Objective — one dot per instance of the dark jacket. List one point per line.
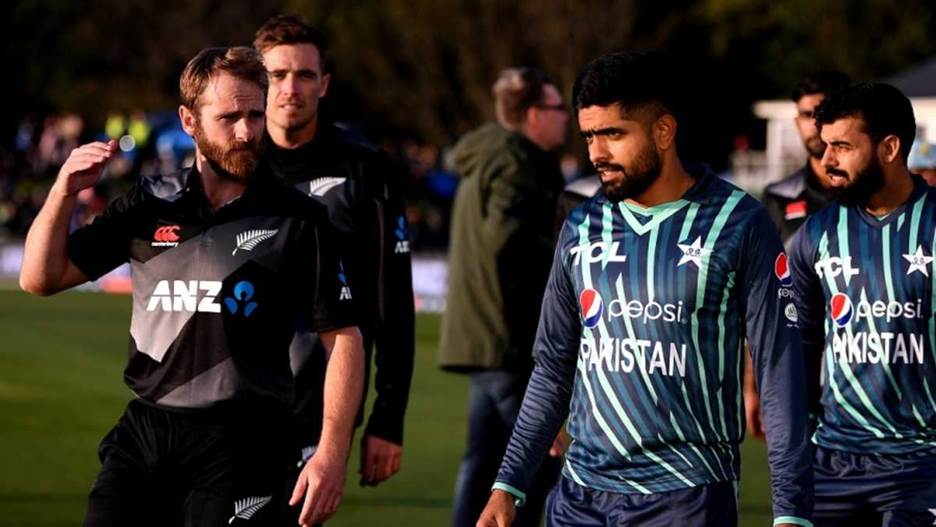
(500, 250)
(792, 199)
(575, 193)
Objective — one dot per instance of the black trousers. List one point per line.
(199, 468)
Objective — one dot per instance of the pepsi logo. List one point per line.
(782, 270)
(842, 309)
(592, 307)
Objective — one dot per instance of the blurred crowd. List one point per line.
(148, 144)
(155, 143)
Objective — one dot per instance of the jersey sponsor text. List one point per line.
(182, 295)
(627, 354)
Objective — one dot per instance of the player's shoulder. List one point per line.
(929, 195)
(716, 192)
(352, 147)
(822, 219)
(587, 211)
(788, 188)
(364, 162)
(287, 200)
(585, 207)
(164, 187)
(806, 239)
(148, 192)
(583, 188)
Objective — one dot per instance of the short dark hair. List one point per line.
(240, 62)
(290, 29)
(636, 80)
(515, 91)
(824, 82)
(883, 109)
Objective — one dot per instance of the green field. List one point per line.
(61, 389)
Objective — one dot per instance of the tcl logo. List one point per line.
(834, 266)
(182, 295)
(166, 236)
(597, 252)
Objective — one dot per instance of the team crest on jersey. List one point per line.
(842, 309)
(693, 252)
(166, 236)
(782, 270)
(246, 508)
(592, 307)
(320, 186)
(248, 240)
(918, 261)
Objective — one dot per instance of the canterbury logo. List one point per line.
(321, 186)
(245, 509)
(247, 240)
(167, 236)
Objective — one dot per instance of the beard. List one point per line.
(860, 189)
(236, 161)
(815, 147)
(636, 179)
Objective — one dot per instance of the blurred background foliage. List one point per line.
(423, 68)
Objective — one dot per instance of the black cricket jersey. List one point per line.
(216, 294)
(360, 187)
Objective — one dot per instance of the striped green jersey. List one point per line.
(865, 298)
(639, 343)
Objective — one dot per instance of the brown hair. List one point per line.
(290, 29)
(240, 62)
(515, 91)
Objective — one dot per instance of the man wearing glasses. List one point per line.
(501, 246)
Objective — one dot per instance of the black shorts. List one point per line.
(212, 468)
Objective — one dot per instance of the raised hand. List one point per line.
(84, 167)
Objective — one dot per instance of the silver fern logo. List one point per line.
(247, 240)
(321, 186)
(245, 509)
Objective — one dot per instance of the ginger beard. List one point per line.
(236, 161)
(634, 180)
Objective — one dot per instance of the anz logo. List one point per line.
(402, 244)
(189, 296)
(345, 293)
(241, 301)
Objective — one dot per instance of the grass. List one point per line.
(61, 390)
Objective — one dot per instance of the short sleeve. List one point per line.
(333, 302)
(104, 244)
